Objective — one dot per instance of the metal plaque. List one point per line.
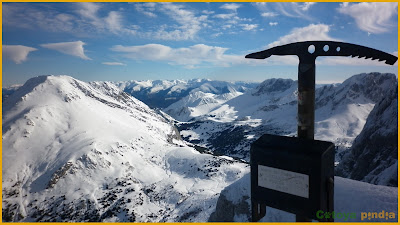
(284, 181)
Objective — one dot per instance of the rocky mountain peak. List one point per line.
(273, 85)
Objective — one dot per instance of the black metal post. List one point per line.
(306, 100)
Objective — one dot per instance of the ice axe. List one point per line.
(307, 52)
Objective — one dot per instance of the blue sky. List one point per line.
(138, 41)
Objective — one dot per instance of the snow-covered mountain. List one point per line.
(74, 151)
(7, 91)
(373, 156)
(162, 93)
(198, 103)
(341, 112)
(350, 197)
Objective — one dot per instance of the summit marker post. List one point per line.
(303, 182)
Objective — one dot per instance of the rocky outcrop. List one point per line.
(373, 156)
(233, 203)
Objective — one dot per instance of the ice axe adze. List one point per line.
(307, 52)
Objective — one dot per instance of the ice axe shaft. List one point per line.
(306, 101)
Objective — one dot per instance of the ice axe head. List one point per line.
(308, 51)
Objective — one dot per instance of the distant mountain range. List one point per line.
(76, 151)
(162, 93)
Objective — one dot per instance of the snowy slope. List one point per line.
(198, 103)
(373, 156)
(350, 197)
(74, 151)
(7, 91)
(341, 112)
(163, 93)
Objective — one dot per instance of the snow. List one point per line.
(191, 135)
(349, 197)
(92, 143)
(198, 103)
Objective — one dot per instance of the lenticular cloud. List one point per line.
(70, 48)
(17, 53)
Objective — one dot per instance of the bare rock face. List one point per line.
(373, 156)
(226, 210)
(233, 203)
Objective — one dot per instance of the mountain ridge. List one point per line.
(74, 151)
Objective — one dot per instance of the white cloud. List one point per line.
(217, 34)
(290, 9)
(151, 5)
(114, 21)
(311, 32)
(249, 26)
(188, 57)
(273, 23)
(70, 48)
(269, 14)
(307, 5)
(184, 24)
(83, 20)
(89, 13)
(373, 17)
(195, 56)
(88, 10)
(146, 8)
(260, 4)
(225, 16)
(207, 12)
(178, 22)
(16, 53)
(231, 18)
(113, 63)
(184, 56)
(25, 16)
(187, 27)
(226, 26)
(230, 6)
